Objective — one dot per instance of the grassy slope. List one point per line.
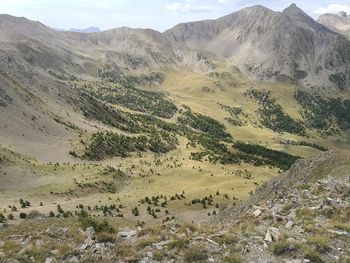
(183, 88)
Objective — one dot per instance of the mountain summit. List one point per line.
(269, 45)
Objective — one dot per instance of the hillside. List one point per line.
(300, 215)
(131, 144)
(267, 45)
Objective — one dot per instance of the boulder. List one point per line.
(289, 224)
(272, 234)
(90, 231)
(127, 233)
(257, 212)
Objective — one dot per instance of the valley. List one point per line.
(202, 140)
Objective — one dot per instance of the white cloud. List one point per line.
(332, 8)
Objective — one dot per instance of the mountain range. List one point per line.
(263, 44)
(133, 145)
(86, 30)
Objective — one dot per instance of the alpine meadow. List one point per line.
(222, 140)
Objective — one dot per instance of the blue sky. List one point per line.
(156, 14)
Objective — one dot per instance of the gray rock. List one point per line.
(292, 215)
(50, 260)
(89, 241)
(127, 233)
(289, 224)
(57, 231)
(83, 247)
(25, 249)
(90, 231)
(272, 234)
(188, 232)
(268, 236)
(257, 212)
(39, 243)
(73, 259)
(161, 244)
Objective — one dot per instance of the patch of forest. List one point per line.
(324, 114)
(160, 136)
(260, 155)
(107, 144)
(153, 103)
(272, 116)
(237, 116)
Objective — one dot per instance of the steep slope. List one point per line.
(337, 22)
(272, 45)
(39, 65)
(302, 213)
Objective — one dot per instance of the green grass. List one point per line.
(196, 253)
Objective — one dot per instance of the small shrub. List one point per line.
(196, 253)
(23, 215)
(34, 215)
(158, 255)
(233, 259)
(313, 256)
(145, 242)
(321, 243)
(179, 244)
(106, 238)
(87, 221)
(2, 218)
(282, 247)
(303, 187)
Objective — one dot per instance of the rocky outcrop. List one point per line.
(306, 205)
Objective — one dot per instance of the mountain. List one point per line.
(269, 45)
(132, 145)
(86, 30)
(338, 22)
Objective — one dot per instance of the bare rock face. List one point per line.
(267, 45)
(337, 22)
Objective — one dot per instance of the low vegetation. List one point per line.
(261, 155)
(326, 115)
(153, 103)
(271, 114)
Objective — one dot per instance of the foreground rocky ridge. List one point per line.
(299, 216)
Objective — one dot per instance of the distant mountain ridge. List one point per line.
(338, 22)
(263, 44)
(86, 30)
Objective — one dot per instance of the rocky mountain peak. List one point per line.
(298, 15)
(342, 14)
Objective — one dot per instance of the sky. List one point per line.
(156, 14)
